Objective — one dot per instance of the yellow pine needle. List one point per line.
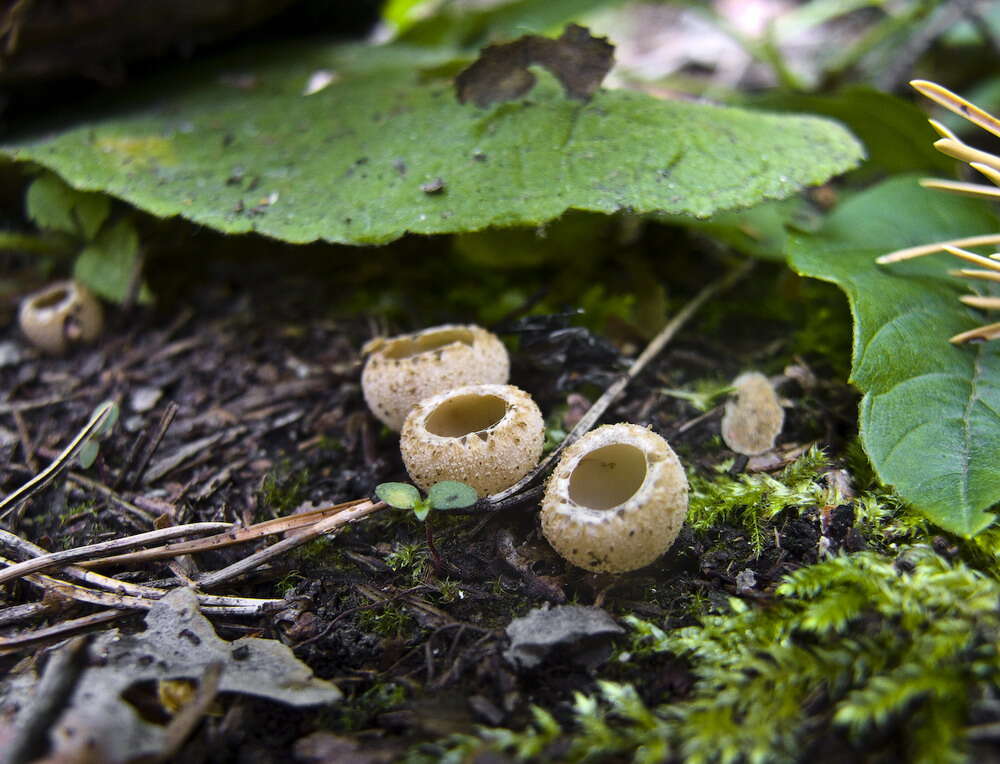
(989, 170)
(930, 249)
(972, 257)
(943, 131)
(963, 151)
(972, 273)
(955, 103)
(960, 187)
(981, 301)
(983, 333)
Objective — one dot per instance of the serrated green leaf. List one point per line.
(387, 150)
(53, 205)
(450, 494)
(399, 495)
(107, 265)
(930, 415)
(894, 131)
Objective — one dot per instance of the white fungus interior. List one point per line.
(465, 414)
(607, 476)
(411, 346)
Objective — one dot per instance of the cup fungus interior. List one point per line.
(51, 298)
(406, 347)
(608, 476)
(465, 414)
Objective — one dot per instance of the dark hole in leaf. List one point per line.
(577, 59)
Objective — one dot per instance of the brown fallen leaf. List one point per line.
(577, 59)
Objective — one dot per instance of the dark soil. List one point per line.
(268, 417)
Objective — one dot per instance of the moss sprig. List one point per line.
(859, 648)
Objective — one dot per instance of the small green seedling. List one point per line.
(445, 495)
(90, 447)
(106, 247)
(705, 395)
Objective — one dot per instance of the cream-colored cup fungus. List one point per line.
(402, 371)
(753, 417)
(616, 500)
(488, 436)
(62, 314)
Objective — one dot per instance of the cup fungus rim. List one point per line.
(626, 437)
(424, 411)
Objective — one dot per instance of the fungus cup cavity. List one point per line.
(487, 436)
(616, 500)
(403, 370)
(64, 313)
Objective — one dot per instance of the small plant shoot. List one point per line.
(442, 496)
(451, 494)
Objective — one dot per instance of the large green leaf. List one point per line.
(930, 416)
(386, 150)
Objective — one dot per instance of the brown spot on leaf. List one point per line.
(577, 59)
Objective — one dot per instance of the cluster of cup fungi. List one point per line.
(618, 495)
(615, 500)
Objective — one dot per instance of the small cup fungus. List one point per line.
(488, 436)
(62, 314)
(616, 500)
(753, 418)
(402, 371)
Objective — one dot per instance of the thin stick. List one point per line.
(229, 538)
(113, 496)
(43, 478)
(597, 410)
(62, 673)
(91, 550)
(126, 587)
(166, 419)
(59, 630)
(287, 544)
(234, 605)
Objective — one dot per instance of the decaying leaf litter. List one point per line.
(283, 434)
(745, 531)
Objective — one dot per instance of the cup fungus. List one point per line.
(753, 418)
(488, 436)
(402, 371)
(616, 500)
(62, 314)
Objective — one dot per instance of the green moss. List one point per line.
(386, 620)
(751, 501)
(77, 511)
(864, 649)
(283, 488)
(411, 558)
(360, 711)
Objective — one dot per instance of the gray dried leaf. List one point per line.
(542, 630)
(178, 643)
